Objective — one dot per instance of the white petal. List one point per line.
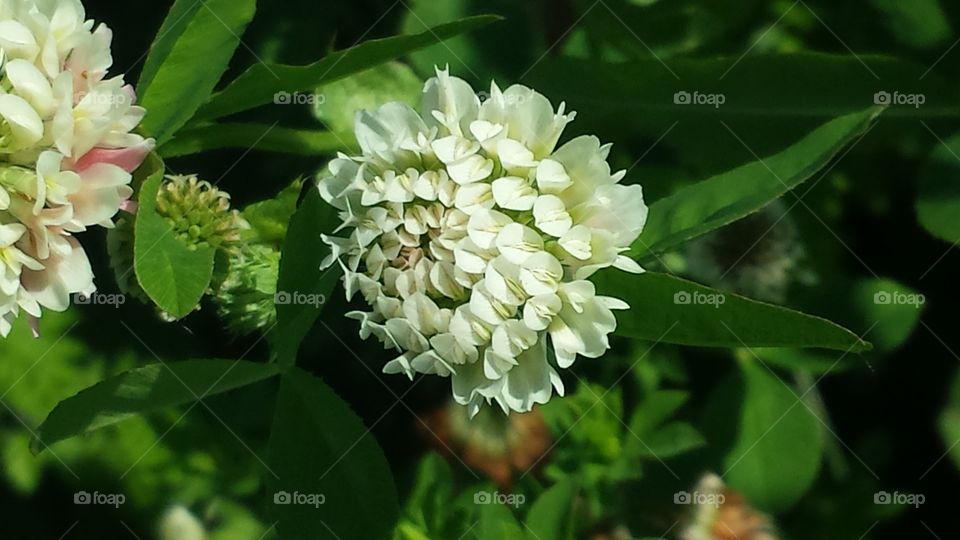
(541, 274)
(514, 155)
(470, 169)
(539, 311)
(551, 215)
(552, 177)
(514, 193)
(516, 242)
(485, 225)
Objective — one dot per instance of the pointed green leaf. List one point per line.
(149, 388)
(774, 443)
(720, 200)
(551, 516)
(303, 287)
(329, 478)
(672, 310)
(261, 83)
(174, 276)
(188, 58)
(262, 137)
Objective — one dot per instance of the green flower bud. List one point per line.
(199, 213)
(245, 298)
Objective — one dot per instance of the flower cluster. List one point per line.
(472, 236)
(66, 151)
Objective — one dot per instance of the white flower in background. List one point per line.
(472, 237)
(67, 151)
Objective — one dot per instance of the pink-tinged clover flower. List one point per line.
(67, 151)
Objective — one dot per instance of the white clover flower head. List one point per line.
(67, 151)
(471, 236)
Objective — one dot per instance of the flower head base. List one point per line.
(67, 151)
(199, 212)
(246, 297)
(472, 237)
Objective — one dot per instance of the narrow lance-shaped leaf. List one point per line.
(174, 276)
(186, 62)
(262, 82)
(257, 137)
(175, 23)
(149, 388)
(672, 310)
(720, 200)
(303, 287)
(328, 478)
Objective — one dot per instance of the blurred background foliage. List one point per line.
(805, 437)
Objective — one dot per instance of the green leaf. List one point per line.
(260, 84)
(718, 201)
(938, 198)
(318, 446)
(890, 308)
(551, 516)
(340, 100)
(181, 13)
(771, 100)
(185, 64)
(301, 276)
(949, 423)
(174, 276)
(149, 388)
(497, 522)
(269, 219)
(777, 444)
(651, 436)
(672, 310)
(263, 137)
(922, 24)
